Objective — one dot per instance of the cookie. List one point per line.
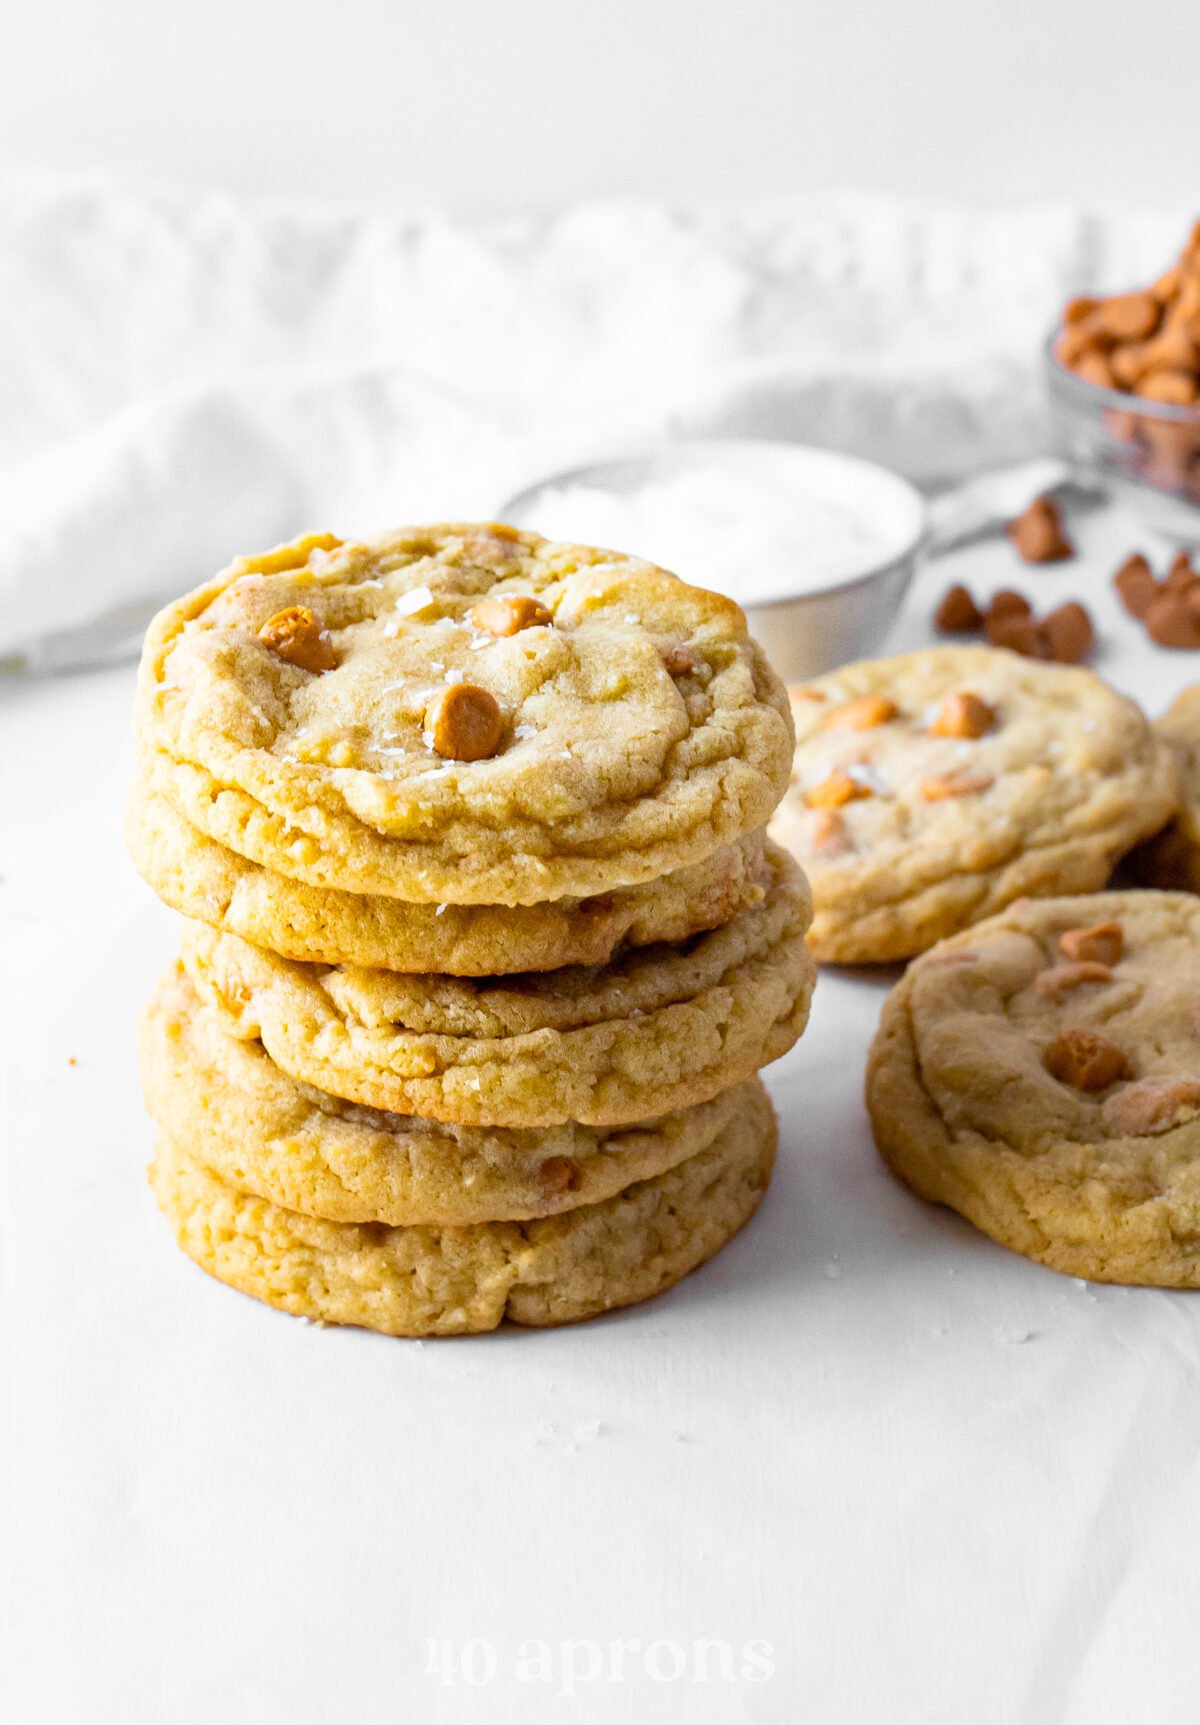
(205, 881)
(661, 1028)
(462, 715)
(1041, 1075)
(1172, 857)
(931, 790)
(255, 1128)
(449, 1281)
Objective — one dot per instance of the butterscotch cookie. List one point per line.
(932, 789)
(209, 883)
(1041, 1074)
(660, 1028)
(255, 1128)
(446, 1281)
(462, 715)
(1172, 857)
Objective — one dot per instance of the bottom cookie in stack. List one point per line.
(310, 1203)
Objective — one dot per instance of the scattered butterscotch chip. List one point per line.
(1057, 982)
(1020, 634)
(836, 789)
(559, 1174)
(1136, 585)
(946, 785)
(1007, 603)
(463, 723)
(1085, 1060)
(681, 662)
(1151, 1104)
(862, 714)
(958, 613)
(806, 692)
(1180, 575)
(1171, 622)
(509, 613)
(298, 637)
(963, 714)
(1069, 631)
(1103, 943)
(1038, 534)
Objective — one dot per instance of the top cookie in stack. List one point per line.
(476, 825)
(577, 746)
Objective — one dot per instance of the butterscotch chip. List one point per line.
(1020, 634)
(1038, 534)
(1136, 585)
(1151, 1105)
(463, 723)
(1102, 944)
(836, 789)
(509, 613)
(958, 613)
(681, 662)
(1085, 1060)
(806, 692)
(946, 785)
(1130, 316)
(1069, 631)
(1057, 982)
(963, 714)
(298, 637)
(1094, 368)
(1131, 363)
(1171, 623)
(1006, 603)
(1082, 306)
(863, 714)
(828, 835)
(1162, 384)
(1180, 575)
(559, 1174)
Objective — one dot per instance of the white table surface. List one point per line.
(944, 1485)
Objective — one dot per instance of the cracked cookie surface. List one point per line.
(440, 742)
(1040, 1074)
(252, 1126)
(660, 1028)
(423, 1281)
(209, 883)
(931, 789)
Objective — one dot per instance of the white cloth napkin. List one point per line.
(187, 378)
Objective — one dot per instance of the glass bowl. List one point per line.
(1145, 454)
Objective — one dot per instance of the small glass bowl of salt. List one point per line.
(818, 548)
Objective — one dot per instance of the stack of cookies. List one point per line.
(486, 943)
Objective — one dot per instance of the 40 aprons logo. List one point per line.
(571, 1665)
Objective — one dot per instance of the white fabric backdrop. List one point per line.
(185, 375)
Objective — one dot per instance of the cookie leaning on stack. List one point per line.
(486, 942)
(932, 789)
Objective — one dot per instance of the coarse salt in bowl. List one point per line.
(817, 547)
